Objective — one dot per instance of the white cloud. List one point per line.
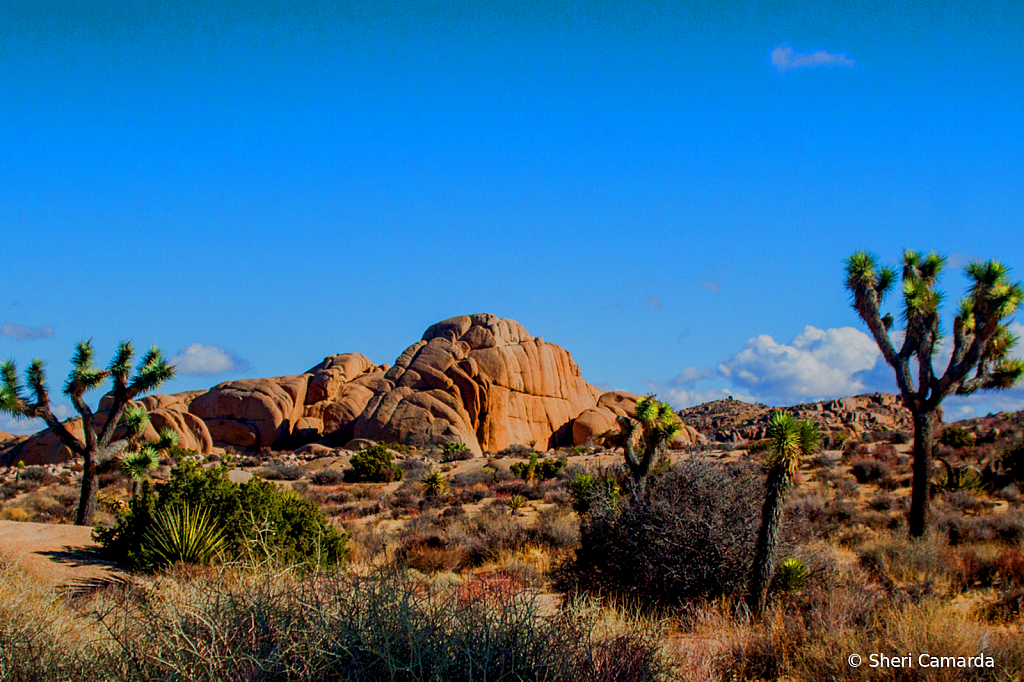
(785, 58)
(681, 397)
(818, 363)
(23, 333)
(201, 360)
(691, 375)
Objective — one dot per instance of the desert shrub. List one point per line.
(964, 501)
(543, 469)
(521, 488)
(957, 437)
(455, 451)
(277, 471)
(758, 447)
(328, 477)
(373, 465)
(588, 490)
(790, 576)
(256, 518)
(692, 536)
(1012, 463)
(385, 626)
(517, 450)
(869, 470)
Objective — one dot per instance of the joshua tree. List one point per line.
(656, 423)
(789, 441)
(981, 341)
(109, 440)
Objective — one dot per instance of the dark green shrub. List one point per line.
(256, 518)
(691, 536)
(373, 465)
(455, 451)
(957, 437)
(543, 469)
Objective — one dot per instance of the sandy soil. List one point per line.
(57, 554)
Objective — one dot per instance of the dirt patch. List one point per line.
(55, 554)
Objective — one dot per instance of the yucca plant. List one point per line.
(182, 534)
(516, 503)
(981, 344)
(790, 440)
(434, 484)
(655, 425)
(790, 576)
(97, 444)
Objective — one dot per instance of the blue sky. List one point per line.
(661, 188)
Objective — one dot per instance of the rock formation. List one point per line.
(737, 421)
(480, 380)
(477, 379)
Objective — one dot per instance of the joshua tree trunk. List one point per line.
(920, 493)
(767, 541)
(90, 485)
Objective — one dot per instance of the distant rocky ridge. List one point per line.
(730, 420)
(477, 379)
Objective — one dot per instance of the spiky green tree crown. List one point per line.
(657, 419)
(981, 336)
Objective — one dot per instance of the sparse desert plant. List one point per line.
(758, 447)
(790, 441)
(790, 577)
(327, 477)
(655, 425)
(964, 477)
(279, 471)
(373, 465)
(516, 504)
(691, 537)
(434, 484)
(152, 372)
(981, 343)
(588, 491)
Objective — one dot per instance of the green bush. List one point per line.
(790, 577)
(455, 451)
(256, 518)
(373, 465)
(543, 469)
(957, 437)
(588, 492)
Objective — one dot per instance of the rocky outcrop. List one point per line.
(592, 423)
(477, 379)
(737, 421)
(480, 380)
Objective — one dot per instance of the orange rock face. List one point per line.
(480, 380)
(477, 379)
